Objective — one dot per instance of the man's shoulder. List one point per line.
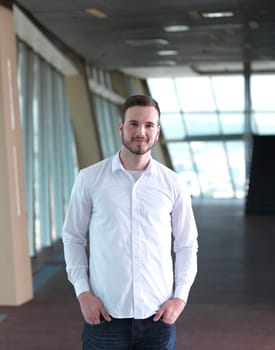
(90, 175)
(165, 170)
(93, 168)
(174, 180)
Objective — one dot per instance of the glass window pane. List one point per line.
(172, 126)
(232, 123)
(264, 123)
(202, 124)
(36, 136)
(163, 91)
(195, 94)
(107, 121)
(115, 119)
(44, 239)
(262, 92)
(213, 169)
(108, 131)
(236, 158)
(229, 92)
(183, 164)
(25, 81)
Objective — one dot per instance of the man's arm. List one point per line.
(74, 234)
(185, 248)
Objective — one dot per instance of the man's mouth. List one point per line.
(140, 139)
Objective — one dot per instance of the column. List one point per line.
(15, 266)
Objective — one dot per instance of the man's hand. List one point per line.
(170, 310)
(92, 308)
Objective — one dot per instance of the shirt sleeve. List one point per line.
(74, 235)
(185, 244)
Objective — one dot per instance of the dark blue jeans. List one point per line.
(126, 334)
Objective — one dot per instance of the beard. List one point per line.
(136, 148)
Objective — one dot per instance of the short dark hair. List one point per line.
(139, 100)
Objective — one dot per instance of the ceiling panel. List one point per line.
(123, 39)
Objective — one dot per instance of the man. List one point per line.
(131, 293)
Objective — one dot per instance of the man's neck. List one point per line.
(132, 161)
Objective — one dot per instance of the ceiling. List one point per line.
(130, 34)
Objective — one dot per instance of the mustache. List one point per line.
(140, 138)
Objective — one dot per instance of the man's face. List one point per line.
(140, 130)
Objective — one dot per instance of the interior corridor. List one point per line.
(231, 305)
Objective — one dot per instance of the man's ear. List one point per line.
(158, 132)
(120, 126)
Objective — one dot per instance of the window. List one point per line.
(263, 104)
(202, 120)
(49, 149)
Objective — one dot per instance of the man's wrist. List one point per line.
(83, 294)
(180, 300)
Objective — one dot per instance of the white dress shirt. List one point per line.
(130, 225)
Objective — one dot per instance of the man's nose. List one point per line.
(141, 129)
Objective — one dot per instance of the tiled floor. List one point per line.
(231, 306)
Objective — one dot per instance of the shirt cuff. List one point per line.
(181, 293)
(81, 286)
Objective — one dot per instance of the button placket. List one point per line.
(137, 291)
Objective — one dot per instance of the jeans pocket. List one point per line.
(165, 323)
(101, 323)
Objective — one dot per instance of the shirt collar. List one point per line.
(116, 165)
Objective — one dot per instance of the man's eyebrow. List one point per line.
(136, 121)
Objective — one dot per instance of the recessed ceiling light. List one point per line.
(96, 13)
(217, 14)
(163, 63)
(167, 52)
(177, 28)
(166, 63)
(144, 42)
